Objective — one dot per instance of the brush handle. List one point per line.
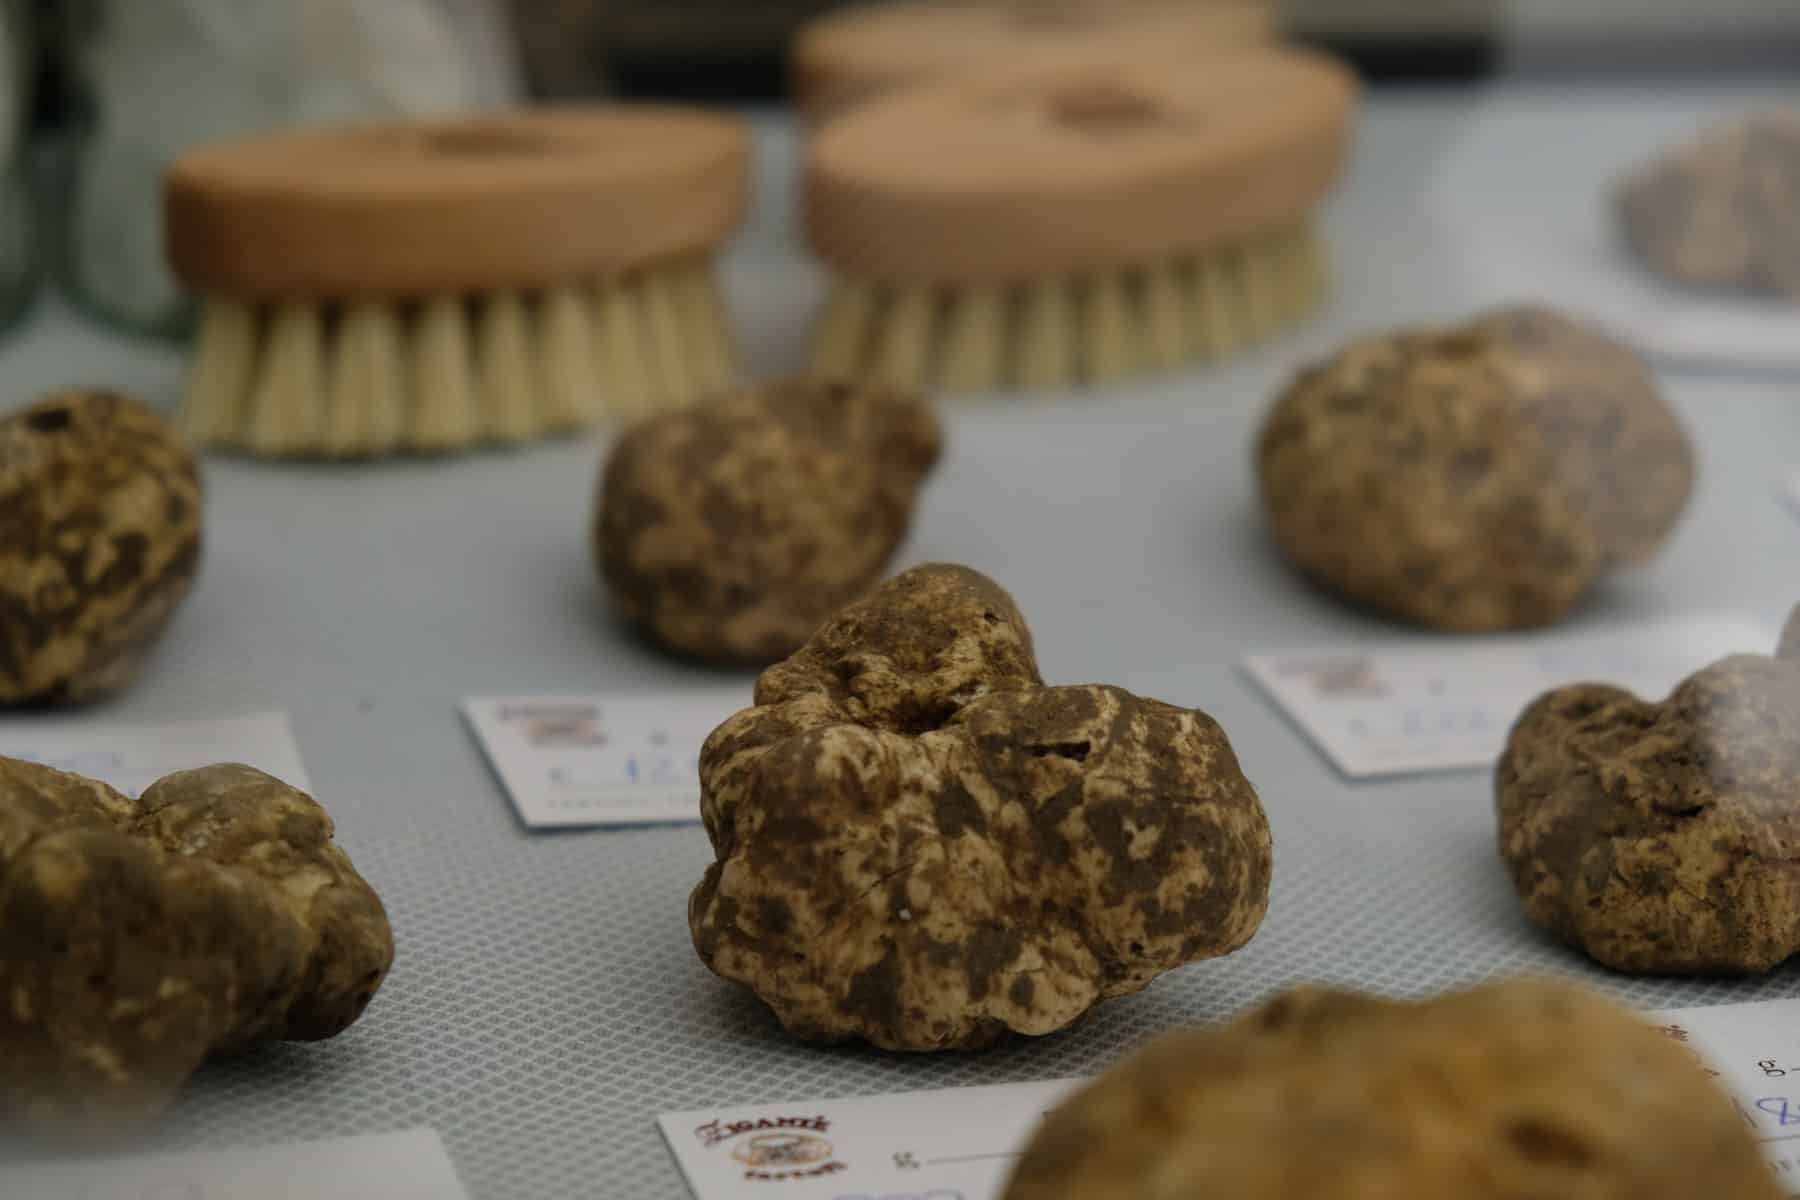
(1077, 163)
(849, 57)
(517, 202)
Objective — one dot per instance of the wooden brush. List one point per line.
(1081, 219)
(848, 57)
(435, 286)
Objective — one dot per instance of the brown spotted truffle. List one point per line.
(99, 541)
(1523, 1089)
(1474, 479)
(921, 845)
(140, 937)
(729, 532)
(1663, 837)
(1723, 211)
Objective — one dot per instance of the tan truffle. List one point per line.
(1723, 211)
(1663, 837)
(100, 512)
(139, 938)
(921, 845)
(1524, 1089)
(729, 532)
(1474, 479)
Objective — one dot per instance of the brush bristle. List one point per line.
(452, 372)
(1057, 332)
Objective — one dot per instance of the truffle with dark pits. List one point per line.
(1663, 837)
(1523, 1089)
(100, 512)
(729, 532)
(1474, 479)
(138, 938)
(921, 845)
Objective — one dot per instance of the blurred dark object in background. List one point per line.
(562, 46)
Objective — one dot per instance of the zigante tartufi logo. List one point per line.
(774, 1149)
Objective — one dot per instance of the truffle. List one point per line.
(1722, 211)
(1514, 1090)
(140, 937)
(728, 532)
(1474, 479)
(1663, 837)
(921, 845)
(100, 511)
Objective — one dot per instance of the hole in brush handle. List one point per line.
(489, 142)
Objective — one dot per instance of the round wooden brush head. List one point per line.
(852, 56)
(410, 209)
(1076, 163)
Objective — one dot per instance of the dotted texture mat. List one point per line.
(547, 1004)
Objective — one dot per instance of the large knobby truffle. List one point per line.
(1519, 1090)
(921, 845)
(1663, 837)
(1478, 478)
(100, 512)
(1723, 211)
(140, 937)
(729, 532)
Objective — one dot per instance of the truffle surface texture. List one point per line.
(728, 532)
(140, 937)
(1724, 210)
(1518, 1090)
(922, 846)
(100, 514)
(1477, 478)
(1663, 837)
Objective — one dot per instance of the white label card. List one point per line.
(595, 760)
(1753, 1052)
(1790, 493)
(961, 1144)
(1449, 703)
(958, 1144)
(386, 1166)
(132, 757)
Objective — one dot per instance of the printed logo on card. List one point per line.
(775, 1149)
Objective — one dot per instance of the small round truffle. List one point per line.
(1523, 1089)
(138, 938)
(729, 532)
(1474, 479)
(1663, 837)
(1724, 210)
(100, 512)
(922, 846)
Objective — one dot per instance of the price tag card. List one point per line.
(594, 760)
(957, 1144)
(132, 757)
(1448, 704)
(387, 1166)
(1753, 1052)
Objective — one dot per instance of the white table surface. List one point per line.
(547, 1004)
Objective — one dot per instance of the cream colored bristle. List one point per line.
(288, 399)
(619, 348)
(1111, 342)
(224, 366)
(1312, 267)
(1046, 335)
(1213, 321)
(704, 318)
(844, 330)
(975, 341)
(1165, 318)
(668, 348)
(1259, 284)
(444, 415)
(366, 382)
(506, 369)
(565, 347)
(903, 353)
